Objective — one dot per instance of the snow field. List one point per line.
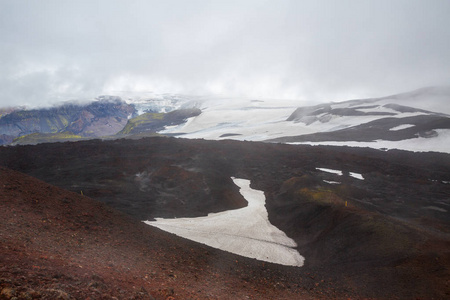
(337, 172)
(440, 143)
(401, 127)
(248, 120)
(245, 231)
(340, 173)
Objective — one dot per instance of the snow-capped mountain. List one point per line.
(103, 117)
(157, 103)
(403, 121)
(417, 120)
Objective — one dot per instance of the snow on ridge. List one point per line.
(440, 209)
(331, 182)
(245, 231)
(337, 172)
(440, 143)
(401, 127)
(356, 175)
(256, 120)
(340, 173)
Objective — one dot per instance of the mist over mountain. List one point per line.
(238, 149)
(345, 214)
(309, 50)
(416, 120)
(103, 117)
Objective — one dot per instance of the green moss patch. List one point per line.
(141, 120)
(37, 138)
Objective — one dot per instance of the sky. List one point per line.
(311, 51)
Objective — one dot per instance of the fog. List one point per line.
(310, 51)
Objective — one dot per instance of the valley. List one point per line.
(390, 228)
(324, 197)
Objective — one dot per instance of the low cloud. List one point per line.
(307, 50)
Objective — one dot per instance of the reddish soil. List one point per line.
(384, 237)
(57, 244)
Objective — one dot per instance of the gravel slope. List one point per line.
(57, 244)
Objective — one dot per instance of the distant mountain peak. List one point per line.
(104, 117)
(422, 116)
(420, 119)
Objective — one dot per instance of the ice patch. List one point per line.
(356, 175)
(331, 182)
(378, 109)
(435, 208)
(330, 171)
(245, 231)
(247, 119)
(340, 173)
(401, 127)
(440, 143)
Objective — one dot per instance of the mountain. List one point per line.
(366, 223)
(148, 102)
(415, 121)
(154, 122)
(106, 116)
(367, 121)
(399, 121)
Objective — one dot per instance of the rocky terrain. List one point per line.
(109, 118)
(414, 121)
(392, 122)
(379, 230)
(103, 117)
(154, 122)
(57, 244)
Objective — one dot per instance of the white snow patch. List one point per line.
(379, 109)
(440, 143)
(331, 182)
(168, 127)
(247, 123)
(431, 98)
(356, 175)
(245, 231)
(435, 208)
(254, 120)
(330, 171)
(340, 173)
(400, 127)
(409, 114)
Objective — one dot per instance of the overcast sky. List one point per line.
(307, 50)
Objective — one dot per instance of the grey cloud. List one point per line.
(308, 50)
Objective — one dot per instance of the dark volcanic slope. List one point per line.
(57, 244)
(424, 126)
(393, 233)
(422, 123)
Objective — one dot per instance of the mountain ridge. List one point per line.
(395, 121)
(370, 122)
(103, 117)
